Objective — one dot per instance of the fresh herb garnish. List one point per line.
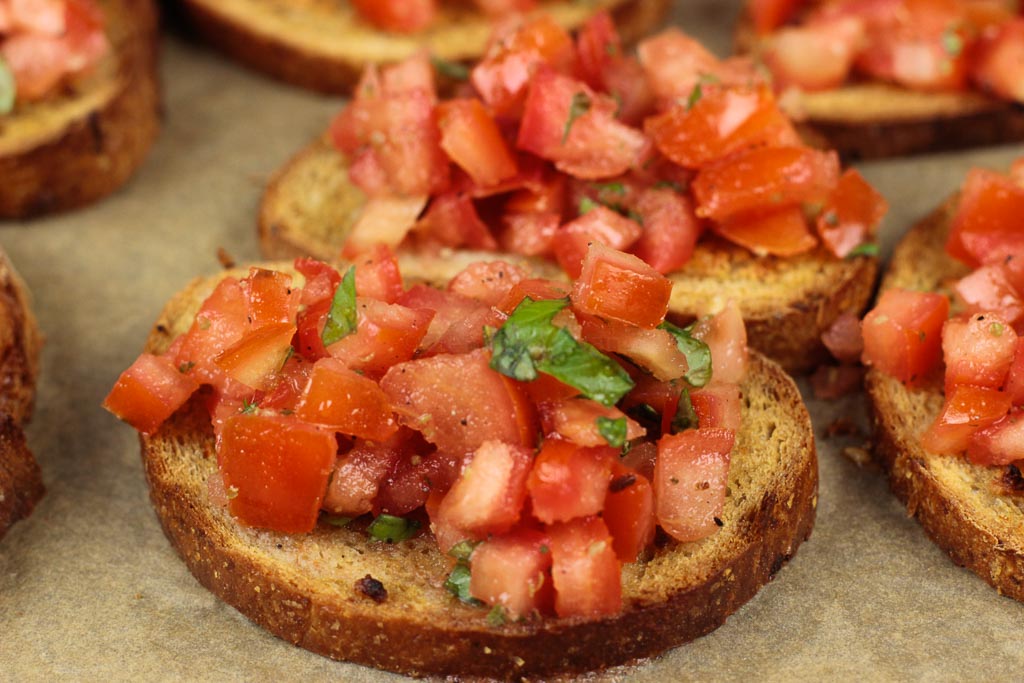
(337, 520)
(529, 343)
(8, 88)
(698, 355)
(587, 204)
(452, 70)
(184, 368)
(952, 43)
(695, 95)
(579, 106)
(287, 356)
(686, 416)
(342, 319)
(496, 617)
(457, 584)
(392, 529)
(249, 406)
(463, 549)
(612, 187)
(669, 185)
(612, 430)
(864, 249)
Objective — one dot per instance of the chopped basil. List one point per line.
(586, 204)
(288, 356)
(996, 329)
(952, 43)
(864, 249)
(392, 529)
(463, 549)
(496, 617)
(695, 95)
(580, 105)
(686, 416)
(612, 430)
(457, 584)
(453, 70)
(668, 185)
(529, 343)
(613, 187)
(8, 88)
(698, 355)
(336, 520)
(184, 368)
(249, 406)
(342, 319)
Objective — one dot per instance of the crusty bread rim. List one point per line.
(301, 588)
(953, 499)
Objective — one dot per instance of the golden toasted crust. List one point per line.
(875, 120)
(302, 588)
(322, 45)
(72, 149)
(959, 504)
(310, 206)
(21, 484)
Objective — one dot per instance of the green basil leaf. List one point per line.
(457, 584)
(864, 249)
(579, 106)
(463, 549)
(392, 529)
(456, 71)
(613, 430)
(496, 617)
(342, 319)
(336, 520)
(686, 416)
(698, 355)
(8, 88)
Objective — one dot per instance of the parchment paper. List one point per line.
(91, 590)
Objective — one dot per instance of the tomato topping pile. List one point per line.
(412, 16)
(43, 42)
(543, 431)
(982, 345)
(927, 45)
(556, 143)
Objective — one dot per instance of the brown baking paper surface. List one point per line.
(91, 590)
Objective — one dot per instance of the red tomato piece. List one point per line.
(377, 275)
(843, 338)
(675, 63)
(599, 225)
(512, 571)
(537, 289)
(473, 141)
(997, 61)
(783, 232)
(816, 56)
(488, 496)
(220, 322)
(690, 477)
(530, 234)
(654, 350)
(764, 179)
(584, 568)
(831, 381)
(487, 282)
(671, 229)
(1015, 376)
(568, 481)
(597, 46)
(321, 280)
(452, 221)
(966, 410)
(149, 392)
(415, 477)
(400, 16)
(275, 470)
(310, 330)
(346, 401)
(618, 286)
(989, 290)
(271, 297)
(256, 356)
(385, 334)
(851, 214)
(384, 220)
(457, 325)
(282, 390)
(984, 229)
(978, 350)
(768, 15)
(357, 477)
(726, 336)
(575, 420)
(999, 444)
(718, 404)
(629, 512)
(458, 402)
(903, 334)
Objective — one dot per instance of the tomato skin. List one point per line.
(538, 289)
(383, 220)
(473, 141)
(726, 336)
(618, 286)
(275, 470)
(400, 16)
(783, 232)
(257, 355)
(1001, 443)
(585, 571)
(903, 334)
(978, 351)
(629, 512)
(671, 229)
(984, 229)
(512, 571)
(149, 392)
(385, 334)
(342, 399)
(851, 213)
(575, 419)
(966, 410)
(599, 225)
(270, 296)
(220, 322)
(488, 496)
(689, 481)
(655, 350)
(568, 481)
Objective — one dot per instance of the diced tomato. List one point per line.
(497, 8)
(816, 56)
(1001, 443)
(690, 477)
(377, 274)
(275, 470)
(585, 570)
(718, 404)
(38, 63)
(768, 15)
(282, 390)
(966, 410)
(671, 229)
(271, 297)
(722, 122)
(843, 338)
(384, 220)
(220, 322)
(457, 325)
(851, 213)
(488, 496)
(783, 232)
(998, 59)
(654, 350)
(675, 63)
(621, 287)
(989, 290)
(400, 16)
(321, 280)
(985, 228)
(252, 359)
(414, 477)
(149, 392)
(568, 481)
(903, 334)
(538, 289)
(344, 400)
(512, 571)
(488, 282)
(978, 350)
(575, 419)
(726, 336)
(46, 17)
(386, 334)
(1015, 376)
(473, 141)
(310, 330)
(452, 221)
(458, 402)
(599, 225)
(629, 512)
(530, 234)
(597, 46)
(357, 477)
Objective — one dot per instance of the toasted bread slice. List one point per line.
(78, 146)
(310, 206)
(303, 588)
(21, 485)
(873, 120)
(323, 45)
(963, 507)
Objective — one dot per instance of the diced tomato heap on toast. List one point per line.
(413, 16)
(545, 431)
(925, 45)
(910, 335)
(554, 144)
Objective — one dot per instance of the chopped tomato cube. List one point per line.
(966, 410)
(675, 63)
(690, 477)
(256, 356)
(488, 282)
(414, 477)
(386, 334)
(149, 392)
(1015, 376)
(783, 232)
(321, 280)
(989, 290)
(568, 481)
(384, 220)
(488, 496)
(978, 350)
(458, 322)
(275, 470)
(726, 336)
(903, 334)
(377, 274)
(843, 338)
(512, 571)
(654, 350)
(584, 568)
(629, 512)
(597, 45)
(271, 297)
(599, 225)
(400, 16)
(817, 56)
(1001, 443)
(851, 213)
(344, 400)
(529, 234)
(220, 322)
(985, 227)
(718, 405)
(537, 289)
(357, 478)
(575, 419)
(473, 141)
(768, 15)
(452, 221)
(671, 229)
(618, 286)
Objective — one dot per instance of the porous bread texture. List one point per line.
(323, 45)
(80, 145)
(310, 206)
(302, 587)
(959, 504)
(21, 484)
